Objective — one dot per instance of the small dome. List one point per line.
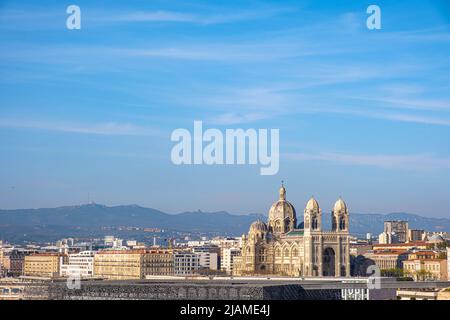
(436, 238)
(312, 204)
(340, 205)
(258, 225)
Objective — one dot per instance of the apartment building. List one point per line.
(186, 264)
(133, 264)
(158, 263)
(228, 259)
(119, 264)
(424, 269)
(43, 264)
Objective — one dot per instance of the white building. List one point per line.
(209, 260)
(227, 261)
(109, 241)
(208, 256)
(385, 238)
(186, 264)
(79, 264)
(131, 243)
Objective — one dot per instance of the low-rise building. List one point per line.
(423, 269)
(400, 246)
(424, 294)
(158, 263)
(430, 294)
(360, 249)
(133, 264)
(13, 262)
(387, 260)
(43, 264)
(119, 264)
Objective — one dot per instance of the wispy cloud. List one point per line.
(237, 118)
(107, 128)
(415, 162)
(183, 17)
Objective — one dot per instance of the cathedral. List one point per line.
(285, 248)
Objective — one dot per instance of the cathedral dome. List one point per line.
(340, 205)
(282, 208)
(282, 215)
(312, 204)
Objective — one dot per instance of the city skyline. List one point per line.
(86, 115)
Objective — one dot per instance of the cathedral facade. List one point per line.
(284, 247)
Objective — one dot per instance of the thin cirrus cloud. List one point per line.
(35, 18)
(106, 128)
(181, 17)
(421, 162)
(237, 118)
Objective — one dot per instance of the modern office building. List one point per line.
(79, 264)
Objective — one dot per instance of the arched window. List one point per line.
(314, 223)
(286, 252)
(295, 252)
(278, 252)
(307, 223)
(277, 226)
(334, 224)
(342, 223)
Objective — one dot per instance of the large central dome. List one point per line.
(282, 215)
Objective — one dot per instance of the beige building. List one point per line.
(448, 263)
(388, 259)
(416, 235)
(132, 264)
(43, 264)
(424, 294)
(281, 247)
(158, 263)
(400, 246)
(422, 269)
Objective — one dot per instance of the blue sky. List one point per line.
(363, 114)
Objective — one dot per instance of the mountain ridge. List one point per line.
(92, 217)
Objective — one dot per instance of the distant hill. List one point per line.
(85, 220)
